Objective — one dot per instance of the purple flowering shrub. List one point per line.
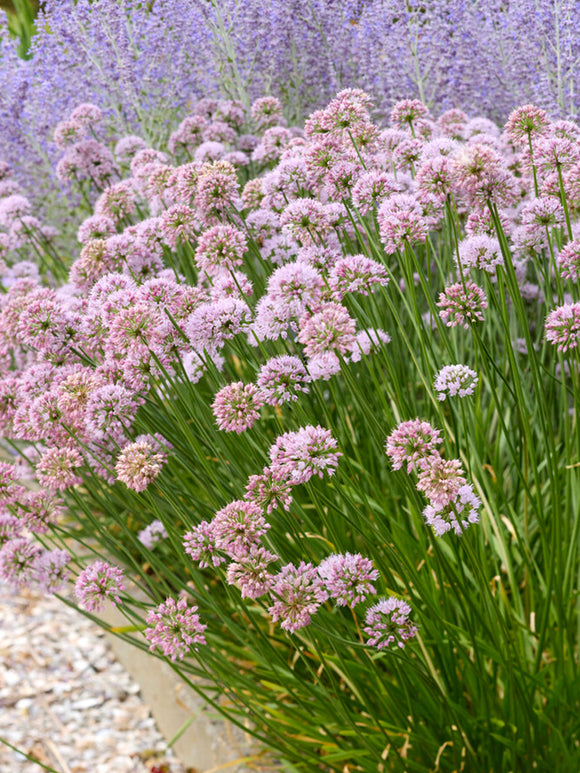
(311, 393)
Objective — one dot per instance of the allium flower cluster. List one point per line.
(238, 526)
(200, 545)
(457, 514)
(462, 304)
(140, 462)
(401, 221)
(98, 583)
(387, 622)
(268, 492)
(455, 380)
(152, 534)
(56, 468)
(298, 593)
(440, 480)
(331, 329)
(220, 248)
(298, 456)
(569, 261)
(563, 327)
(480, 251)
(249, 571)
(281, 378)
(413, 443)
(236, 406)
(18, 558)
(51, 570)
(348, 578)
(174, 628)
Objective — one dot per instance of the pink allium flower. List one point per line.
(368, 342)
(188, 135)
(152, 534)
(219, 131)
(98, 583)
(563, 327)
(13, 208)
(86, 114)
(569, 261)
(217, 188)
(209, 150)
(249, 571)
(434, 178)
(323, 366)
(111, 411)
(462, 304)
(236, 407)
(406, 111)
(387, 622)
(298, 593)
(116, 202)
(306, 220)
(481, 173)
(18, 559)
(348, 578)
(481, 251)
(140, 463)
(526, 122)
(10, 527)
(541, 213)
(268, 492)
(440, 480)
(87, 160)
(281, 378)
(371, 189)
(413, 442)
(401, 220)
(68, 133)
(295, 288)
(266, 112)
(178, 224)
(457, 514)
(176, 628)
(128, 146)
(455, 380)
(38, 510)
(51, 572)
(298, 456)
(272, 144)
(95, 227)
(211, 324)
(56, 468)
(220, 248)
(356, 274)
(200, 545)
(331, 329)
(237, 526)
(407, 153)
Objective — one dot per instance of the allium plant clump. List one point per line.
(307, 396)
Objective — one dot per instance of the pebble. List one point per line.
(65, 700)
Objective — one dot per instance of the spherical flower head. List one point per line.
(237, 526)
(455, 380)
(298, 593)
(236, 407)
(434, 178)
(174, 628)
(98, 583)
(266, 112)
(178, 224)
(401, 220)
(67, 133)
(211, 324)
(541, 213)
(57, 466)
(356, 274)
(413, 442)
(249, 571)
(323, 366)
(51, 570)
(128, 146)
(387, 622)
(200, 546)
(116, 202)
(348, 578)
(457, 514)
(368, 342)
(306, 220)
(462, 304)
(482, 174)
(10, 527)
(406, 111)
(111, 410)
(294, 288)
(152, 534)
(281, 378)
(526, 122)
(298, 456)
(482, 252)
(95, 227)
(371, 188)
(563, 327)
(569, 261)
(440, 480)
(18, 559)
(220, 248)
(140, 463)
(38, 510)
(331, 329)
(86, 114)
(267, 492)
(217, 188)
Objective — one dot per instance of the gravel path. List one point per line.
(65, 699)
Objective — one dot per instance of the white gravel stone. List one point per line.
(63, 697)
